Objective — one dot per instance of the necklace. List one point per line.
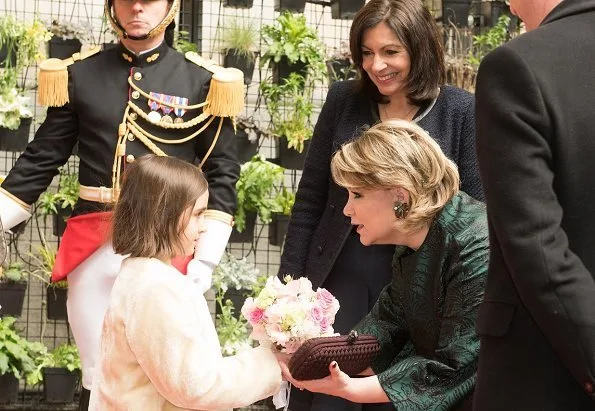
(408, 116)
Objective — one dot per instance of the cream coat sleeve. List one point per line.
(174, 340)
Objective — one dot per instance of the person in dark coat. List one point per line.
(535, 146)
(398, 50)
(118, 104)
(404, 191)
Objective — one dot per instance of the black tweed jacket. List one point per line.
(318, 228)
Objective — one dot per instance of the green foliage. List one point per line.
(258, 178)
(241, 38)
(66, 196)
(44, 261)
(488, 41)
(284, 201)
(63, 356)
(23, 41)
(234, 273)
(290, 107)
(232, 332)
(183, 44)
(290, 37)
(15, 273)
(18, 356)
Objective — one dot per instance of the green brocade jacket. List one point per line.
(425, 318)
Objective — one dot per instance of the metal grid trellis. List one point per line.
(204, 21)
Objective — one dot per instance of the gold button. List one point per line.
(133, 116)
(138, 76)
(129, 158)
(135, 94)
(130, 137)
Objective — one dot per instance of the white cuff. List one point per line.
(201, 274)
(13, 211)
(211, 244)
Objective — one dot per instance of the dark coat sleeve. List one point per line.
(514, 130)
(312, 193)
(441, 380)
(50, 149)
(467, 161)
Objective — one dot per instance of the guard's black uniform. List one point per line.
(99, 93)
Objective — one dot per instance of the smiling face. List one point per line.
(138, 17)
(194, 218)
(385, 60)
(371, 211)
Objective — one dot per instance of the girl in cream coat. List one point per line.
(159, 348)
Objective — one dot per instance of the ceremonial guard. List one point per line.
(118, 104)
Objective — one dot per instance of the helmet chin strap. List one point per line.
(125, 35)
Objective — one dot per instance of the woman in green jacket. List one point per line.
(403, 190)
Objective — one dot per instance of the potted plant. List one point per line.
(233, 280)
(13, 285)
(60, 372)
(60, 204)
(67, 39)
(21, 43)
(345, 9)
(290, 108)
(280, 218)
(247, 139)
(238, 4)
(17, 360)
(15, 120)
(56, 292)
(292, 46)
(339, 64)
(258, 178)
(240, 40)
(183, 44)
(232, 330)
(455, 12)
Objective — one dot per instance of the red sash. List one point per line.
(83, 236)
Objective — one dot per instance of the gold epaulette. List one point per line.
(226, 92)
(53, 78)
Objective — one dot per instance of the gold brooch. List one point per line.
(127, 57)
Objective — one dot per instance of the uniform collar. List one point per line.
(145, 59)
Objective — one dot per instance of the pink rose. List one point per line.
(251, 311)
(324, 324)
(317, 314)
(327, 301)
(256, 316)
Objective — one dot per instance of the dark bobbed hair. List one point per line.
(416, 29)
(156, 192)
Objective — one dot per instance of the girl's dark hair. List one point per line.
(156, 191)
(416, 29)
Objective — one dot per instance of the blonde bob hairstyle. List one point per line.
(151, 212)
(399, 153)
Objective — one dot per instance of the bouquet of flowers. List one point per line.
(287, 315)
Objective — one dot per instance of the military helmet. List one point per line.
(169, 19)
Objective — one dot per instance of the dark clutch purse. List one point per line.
(354, 353)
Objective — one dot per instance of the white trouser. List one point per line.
(89, 288)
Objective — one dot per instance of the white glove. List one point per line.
(201, 274)
(14, 211)
(210, 248)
